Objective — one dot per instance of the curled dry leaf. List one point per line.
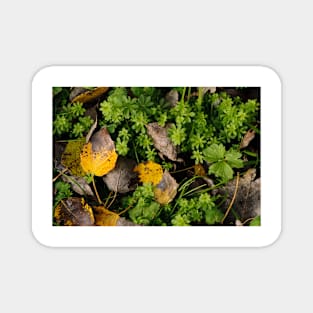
(122, 178)
(98, 156)
(83, 95)
(73, 212)
(166, 190)
(161, 140)
(248, 137)
(149, 172)
(247, 201)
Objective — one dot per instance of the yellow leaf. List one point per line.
(199, 170)
(90, 95)
(98, 156)
(105, 217)
(97, 163)
(149, 172)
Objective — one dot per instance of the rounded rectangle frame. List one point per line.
(156, 76)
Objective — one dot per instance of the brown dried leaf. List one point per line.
(121, 179)
(248, 137)
(161, 140)
(166, 190)
(73, 212)
(247, 201)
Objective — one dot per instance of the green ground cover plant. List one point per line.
(201, 142)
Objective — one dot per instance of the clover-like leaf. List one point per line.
(214, 153)
(221, 169)
(233, 159)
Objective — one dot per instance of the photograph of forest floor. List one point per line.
(156, 156)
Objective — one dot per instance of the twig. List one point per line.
(232, 200)
(95, 188)
(60, 174)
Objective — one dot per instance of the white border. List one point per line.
(156, 76)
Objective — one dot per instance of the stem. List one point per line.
(232, 200)
(95, 188)
(60, 174)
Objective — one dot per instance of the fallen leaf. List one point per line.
(248, 137)
(71, 157)
(121, 179)
(73, 212)
(149, 172)
(84, 95)
(166, 190)
(172, 98)
(98, 156)
(105, 217)
(247, 201)
(161, 140)
(79, 185)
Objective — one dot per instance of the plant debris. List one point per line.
(247, 202)
(156, 156)
(122, 178)
(161, 140)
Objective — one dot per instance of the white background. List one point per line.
(37, 279)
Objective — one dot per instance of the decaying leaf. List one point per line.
(199, 170)
(98, 156)
(71, 157)
(247, 201)
(161, 140)
(105, 217)
(122, 178)
(248, 137)
(166, 190)
(84, 95)
(206, 89)
(79, 185)
(74, 212)
(149, 172)
(172, 98)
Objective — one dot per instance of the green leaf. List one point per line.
(221, 169)
(256, 221)
(214, 153)
(233, 159)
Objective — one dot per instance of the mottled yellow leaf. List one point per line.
(149, 172)
(71, 157)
